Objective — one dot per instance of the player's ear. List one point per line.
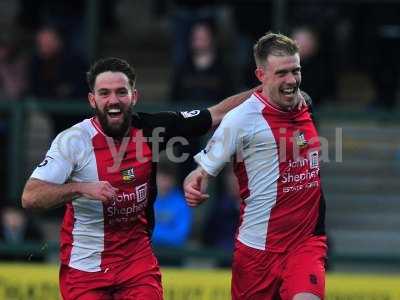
(260, 73)
(91, 99)
(135, 96)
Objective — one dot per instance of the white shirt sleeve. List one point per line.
(64, 156)
(227, 141)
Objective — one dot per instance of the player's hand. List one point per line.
(101, 190)
(302, 100)
(194, 186)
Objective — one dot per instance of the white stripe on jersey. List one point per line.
(88, 232)
(245, 130)
(73, 159)
(88, 235)
(262, 168)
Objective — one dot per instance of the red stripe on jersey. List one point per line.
(239, 169)
(296, 211)
(125, 223)
(66, 238)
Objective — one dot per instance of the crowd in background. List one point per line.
(43, 56)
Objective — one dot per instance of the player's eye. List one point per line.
(281, 73)
(296, 71)
(103, 93)
(122, 92)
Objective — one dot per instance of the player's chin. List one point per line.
(115, 121)
(115, 127)
(288, 100)
(115, 130)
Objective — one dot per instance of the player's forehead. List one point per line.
(285, 62)
(111, 81)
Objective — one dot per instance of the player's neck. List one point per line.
(276, 105)
(116, 138)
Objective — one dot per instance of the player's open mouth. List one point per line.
(114, 112)
(289, 91)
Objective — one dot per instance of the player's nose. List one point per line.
(113, 98)
(291, 79)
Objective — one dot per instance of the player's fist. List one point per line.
(304, 99)
(101, 190)
(195, 185)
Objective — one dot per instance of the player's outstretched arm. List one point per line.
(195, 185)
(219, 110)
(39, 194)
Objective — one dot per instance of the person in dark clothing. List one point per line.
(201, 79)
(203, 76)
(223, 218)
(382, 37)
(318, 76)
(16, 228)
(56, 74)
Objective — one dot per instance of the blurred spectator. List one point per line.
(184, 14)
(252, 19)
(56, 73)
(13, 86)
(202, 79)
(221, 225)
(173, 218)
(69, 16)
(17, 228)
(382, 38)
(3, 153)
(13, 65)
(317, 78)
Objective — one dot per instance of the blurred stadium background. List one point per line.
(350, 68)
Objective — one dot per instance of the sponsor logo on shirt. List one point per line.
(301, 140)
(190, 114)
(302, 174)
(45, 161)
(141, 192)
(313, 158)
(208, 147)
(127, 206)
(128, 175)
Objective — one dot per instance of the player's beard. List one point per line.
(114, 130)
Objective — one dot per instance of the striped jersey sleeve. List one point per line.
(228, 141)
(66, 154)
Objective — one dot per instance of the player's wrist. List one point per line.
(202, 172)
(77, 190)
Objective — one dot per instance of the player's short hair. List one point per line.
(112, 64)
(273, 44)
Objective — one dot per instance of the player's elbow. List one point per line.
(216, 116)
(31, 202)
(30, 197)
(28, 201)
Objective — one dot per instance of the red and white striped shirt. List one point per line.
(276, 161)
(96, 235)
